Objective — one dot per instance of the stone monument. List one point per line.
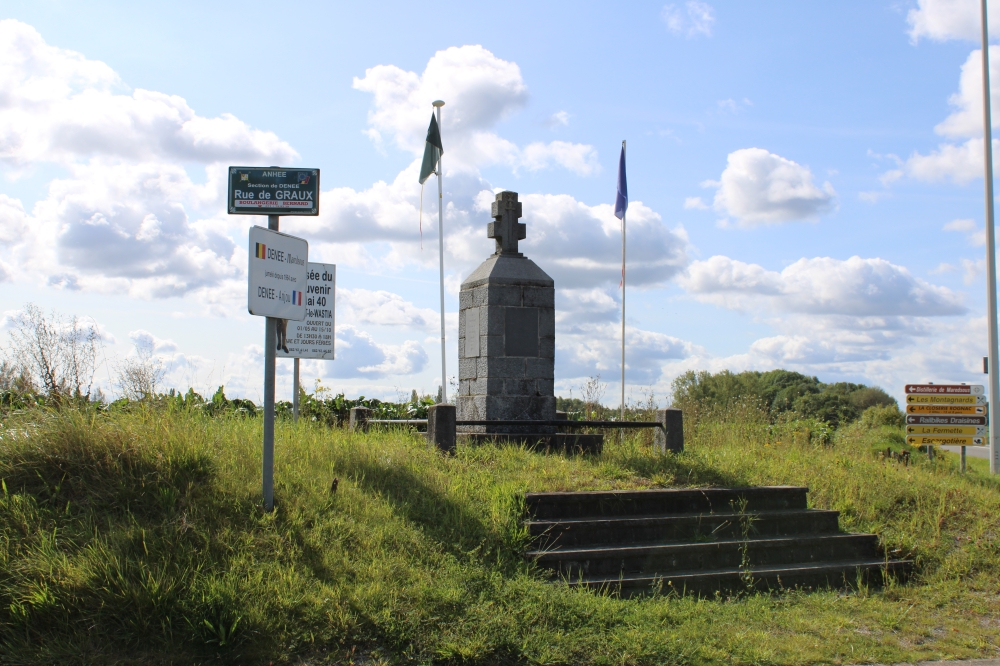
(507, 342)
(506, 332)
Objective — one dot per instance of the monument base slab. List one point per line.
(561, 441)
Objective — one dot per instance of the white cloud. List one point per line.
(959, 162)
(557, 119)
(972, 270)
(822, 286)
(596, 349)
(942, 20)
(696, 18)
(359, 355)
(383, 308)
(758, 187)
(479, 91)
(60, 107)
(579, 158)
(975, 234)
(695, 203)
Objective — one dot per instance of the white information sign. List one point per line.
(313, 336)
(277, 275)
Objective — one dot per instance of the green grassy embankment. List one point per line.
(138, 538)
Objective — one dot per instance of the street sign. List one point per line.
(946, 431)
(273, 191)
(973, 410)
(916, 440)
(945, 400)
(277, 275)
(945, 420)
(313, 336)
(945, 389)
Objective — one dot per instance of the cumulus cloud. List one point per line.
(59, 106)
(383, 308)
(959, 162)
(480, 90)
(942, 20)
(758, 188)
(596, 349)
(823, 286)
(359, 355)
(694, 19)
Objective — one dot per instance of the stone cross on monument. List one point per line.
(506, 230)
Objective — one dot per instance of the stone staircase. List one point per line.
(699, 541)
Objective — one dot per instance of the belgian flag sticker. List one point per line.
(261, 251)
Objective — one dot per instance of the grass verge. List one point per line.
(138, 538)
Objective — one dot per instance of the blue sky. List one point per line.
(804, 177)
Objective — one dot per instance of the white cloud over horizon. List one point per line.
(758, 187)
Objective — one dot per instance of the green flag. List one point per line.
(432, 150)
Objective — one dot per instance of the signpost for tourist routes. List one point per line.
(946, 415)
(277, 269)
(312, 337)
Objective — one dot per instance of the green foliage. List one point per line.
(778, 391)
(136, 536)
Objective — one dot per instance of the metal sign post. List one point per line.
(991, 259)
(277, 270)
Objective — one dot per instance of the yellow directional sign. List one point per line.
(976, 410)
(946, 431)
(945, 400)
(917, 440)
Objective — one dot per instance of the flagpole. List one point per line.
(623, 307)
(444, 374)
(991, 260)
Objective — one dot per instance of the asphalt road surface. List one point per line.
(970, 452)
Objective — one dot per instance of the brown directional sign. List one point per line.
(972, 410)
(946, 431)
(944, 441)
(945, 399)
(945, 389)
(945, 420)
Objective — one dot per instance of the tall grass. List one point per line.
(138, 538)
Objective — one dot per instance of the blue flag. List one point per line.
(621, 201)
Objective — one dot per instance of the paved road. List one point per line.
(971, 452)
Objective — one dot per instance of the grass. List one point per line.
(138, 538)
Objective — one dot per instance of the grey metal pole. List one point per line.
(444, 373)
(270, 342)
(623, 309)
(295, 391)
(991, 258)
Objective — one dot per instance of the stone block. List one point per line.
(545, 387)
(519, 387)
(359, 419)
(465, 299)
(547, 348)
(538, 297)
(546, 323)
(469, 338)
(539, 368)
(491, 345)
(670, 435)
(468, 367)
(507, 295)
(441, 427)
(507, 368)
(491, 320)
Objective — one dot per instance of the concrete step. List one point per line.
(560, 506)
(836, 574)
(712, 555)
(655, 529)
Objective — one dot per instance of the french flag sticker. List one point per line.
(296, 298)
